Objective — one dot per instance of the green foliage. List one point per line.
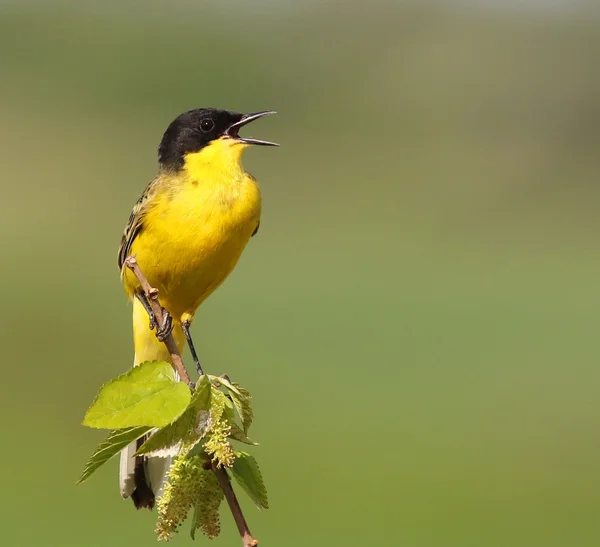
(237, 434)
(246, 472)
(241, 400)
(223, 381)
(187, 429)
(110, 447)
(148, 394)
(196, 428)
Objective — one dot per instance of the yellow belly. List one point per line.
(193, 236)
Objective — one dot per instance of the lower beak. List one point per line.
(247, 118)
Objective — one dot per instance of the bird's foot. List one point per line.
(165, 328)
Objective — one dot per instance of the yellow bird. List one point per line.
(187, 232)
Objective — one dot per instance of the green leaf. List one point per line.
(111, 446)
(149, 394)
(164, 442)
(241, 401)
(226, 383)
(246, 472)
(229, 410)
(201, 396)
(238, 435)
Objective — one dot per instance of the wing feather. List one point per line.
(135, 224)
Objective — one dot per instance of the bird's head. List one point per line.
(207, 132)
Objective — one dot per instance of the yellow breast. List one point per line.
(197, 227)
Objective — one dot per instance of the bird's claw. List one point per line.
(166, 327)
(152, 324)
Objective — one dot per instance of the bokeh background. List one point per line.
(418, 317)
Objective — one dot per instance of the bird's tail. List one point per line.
(142, 477)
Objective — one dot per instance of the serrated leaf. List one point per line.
(111, 446)
(243, 406)
(226, 383)
(246, 472)
(202, 383)
(149, 395)
(229, 410)
(165, 441)
(238, 435)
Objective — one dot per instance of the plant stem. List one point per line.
(234, 506)
(158, 311)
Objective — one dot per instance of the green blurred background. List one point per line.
(418, 317)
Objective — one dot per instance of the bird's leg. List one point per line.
(166, 327)
(185, 325)
(142, 298)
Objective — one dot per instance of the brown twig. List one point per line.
(234, 505)
(158, 311)
(222, 476)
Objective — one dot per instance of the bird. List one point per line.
(187, 231)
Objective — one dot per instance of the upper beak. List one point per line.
(247, 118)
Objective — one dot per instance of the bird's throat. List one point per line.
(221, 159)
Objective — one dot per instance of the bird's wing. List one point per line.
(135, 224)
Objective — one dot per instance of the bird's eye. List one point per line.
(207, 124)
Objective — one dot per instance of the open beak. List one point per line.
(247, 118)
